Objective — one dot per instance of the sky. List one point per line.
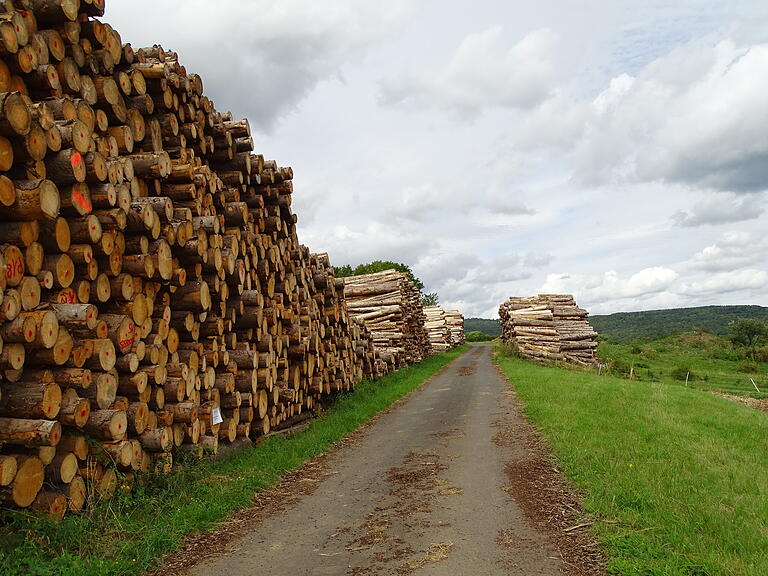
(615, 150)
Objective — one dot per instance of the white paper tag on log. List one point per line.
(216, 416)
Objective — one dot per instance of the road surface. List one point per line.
(423, 491)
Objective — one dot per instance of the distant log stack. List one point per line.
(438, 332)
(455, 321)
(549, 327)
(445, 328)
(390, 306)
(153, 291)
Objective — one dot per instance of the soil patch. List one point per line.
(754, 403)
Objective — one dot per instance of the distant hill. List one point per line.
(484, 325)
(626, 326)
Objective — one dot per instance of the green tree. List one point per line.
(343, 271)
(748, 332)
(430, 299)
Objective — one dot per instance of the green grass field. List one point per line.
(711, 362)
(129, 534)
(676, 478)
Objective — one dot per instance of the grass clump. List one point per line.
(676, 478)
(128, 534)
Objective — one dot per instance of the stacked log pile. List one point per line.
(154, 293)
(549, 327)
(390, 306)
(445, 328)
(455, 321)
(438, 332)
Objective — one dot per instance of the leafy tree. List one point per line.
(431, 299)
(748, 332)
(343, 271)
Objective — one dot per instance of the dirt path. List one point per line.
(451, 482)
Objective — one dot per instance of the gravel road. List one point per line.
(425, 490)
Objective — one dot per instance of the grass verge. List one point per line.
(676, 478)
(127, 535)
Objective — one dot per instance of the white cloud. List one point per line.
(733, 251)
(696, 115)
(371, 241)
(484, 73)
(721, 208)
(259, 57)
(611, 286)
(725, 282)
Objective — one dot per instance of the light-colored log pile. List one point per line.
(445, 328)
(390, 306)
(153, 290)
(455, 321)
(438, 332)
(549, 327)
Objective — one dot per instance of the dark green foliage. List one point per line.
(431, 299)
(484, 325)
(625, 327)
(748, 332)
(343, 271)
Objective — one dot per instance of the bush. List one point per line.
(620, 368)
(748, 367)
(728, 352)
(650, 354)
(509, 349)
(748, 332)
(761, 354)
(477, 336)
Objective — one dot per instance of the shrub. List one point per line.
(509, 349)
(477, 336)
(761, 354)
(748, 332)
(650, 354)
(620, 368)
(747, 366)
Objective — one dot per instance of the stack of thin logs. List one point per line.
(455, 321)
(154, 291)
(549, 327)
(390, 306)
(438, 332)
